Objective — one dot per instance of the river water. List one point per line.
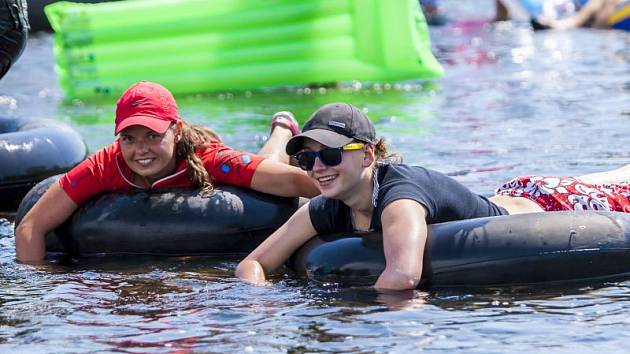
(512, 102)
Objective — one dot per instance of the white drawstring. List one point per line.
(375, 187)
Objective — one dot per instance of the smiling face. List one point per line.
(149, 154)
(343, 180)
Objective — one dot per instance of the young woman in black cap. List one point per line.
(361, 191)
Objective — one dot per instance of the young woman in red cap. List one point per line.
(360, 191)
(157, 149)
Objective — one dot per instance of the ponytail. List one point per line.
(192, 138)
(382, 156)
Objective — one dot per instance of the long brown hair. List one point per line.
(192, 138)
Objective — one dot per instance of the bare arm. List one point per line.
(404, 239)
(277, 248)
(50, 211)
(281, 179)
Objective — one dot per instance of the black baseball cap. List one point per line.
(334, 125)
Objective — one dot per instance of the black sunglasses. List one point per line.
(328, 156)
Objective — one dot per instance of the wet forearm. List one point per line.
(396, 280)
(251, 271)
(29, 244)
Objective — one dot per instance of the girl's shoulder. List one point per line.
(106, 155)
(403, 171)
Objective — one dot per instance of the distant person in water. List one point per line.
(501, 11)
(432, 12)
(362, 191)
(524, 10)
(157, 149)
(13, 32)
(594, 13)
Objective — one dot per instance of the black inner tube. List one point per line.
(505, 250)
(168, 222)
(32, 150)
(13, 32)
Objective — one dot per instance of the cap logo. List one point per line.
(337, 124)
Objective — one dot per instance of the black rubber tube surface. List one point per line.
(167, 222)
(505, 250)
(13, 32)
(32, 150)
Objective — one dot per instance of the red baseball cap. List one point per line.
(147, 104)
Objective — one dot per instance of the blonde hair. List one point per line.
(194, 137)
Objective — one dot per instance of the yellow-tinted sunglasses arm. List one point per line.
(353, 146)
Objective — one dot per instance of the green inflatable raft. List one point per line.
(195, 46)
